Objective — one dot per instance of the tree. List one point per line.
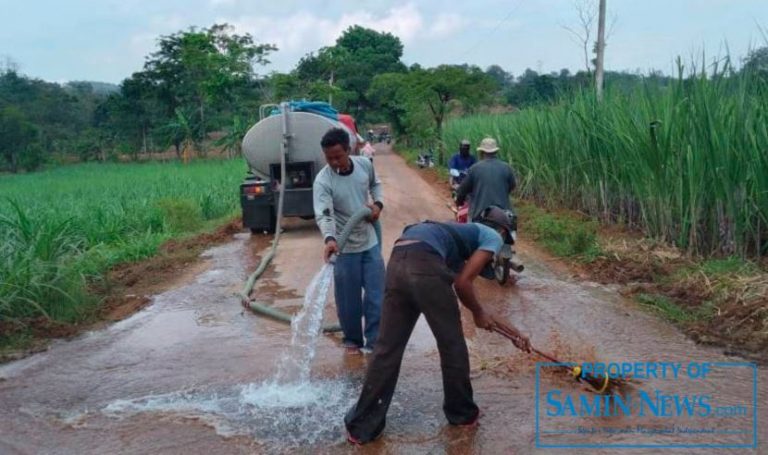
(586, 11)
(427, 96)
(757, 61)
(200, 68)
(502, 78)
(232, 141)
(386, 95)
(351, 65)
(16, 135)
(58, 115)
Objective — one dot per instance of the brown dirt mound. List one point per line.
(609, 269)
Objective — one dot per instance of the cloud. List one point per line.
(306, 31)
(303, 31)
(222, 3)
(446, 25)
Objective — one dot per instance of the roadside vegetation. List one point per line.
(662, 188)
(63, 229)
(684, 163)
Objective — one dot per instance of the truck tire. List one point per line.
(272, 221)
(272, 224)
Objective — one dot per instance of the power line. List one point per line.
(504, 19)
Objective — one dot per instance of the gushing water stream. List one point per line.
(289, 409)
(295, 364)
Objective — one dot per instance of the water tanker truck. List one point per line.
(287, 135)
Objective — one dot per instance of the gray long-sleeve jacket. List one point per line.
(489, 182)
(337, 197)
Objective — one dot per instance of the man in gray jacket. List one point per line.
(340, 190)
(489, 182)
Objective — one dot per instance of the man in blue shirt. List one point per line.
(461, 161)
(428, 262)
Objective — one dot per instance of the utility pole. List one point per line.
(600, 51)
(330, 92)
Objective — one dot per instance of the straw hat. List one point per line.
(488, 145)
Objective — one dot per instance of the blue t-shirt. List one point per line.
(476, 236)
(460, 163)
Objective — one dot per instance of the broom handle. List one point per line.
(514, 338)
(591, 379)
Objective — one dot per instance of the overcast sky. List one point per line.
(107, 40)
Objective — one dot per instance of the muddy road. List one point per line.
(176, 377)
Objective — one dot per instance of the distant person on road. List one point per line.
(429, 261)
(368, 151)
(490, 181)
(341, 189)
(462, 160)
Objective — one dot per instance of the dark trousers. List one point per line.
(417, 282)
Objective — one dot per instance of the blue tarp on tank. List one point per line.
(313, 107)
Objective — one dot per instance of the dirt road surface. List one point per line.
(168, 379)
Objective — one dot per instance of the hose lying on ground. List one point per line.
(274, 313)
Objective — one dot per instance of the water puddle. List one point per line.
(284, 416)
(288, 410)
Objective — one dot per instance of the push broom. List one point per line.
(601, 384)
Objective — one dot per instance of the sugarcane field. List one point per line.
(519, 227)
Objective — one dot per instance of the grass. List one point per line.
(562, 235)
(672, 311)
(63, 228)
(685, 163)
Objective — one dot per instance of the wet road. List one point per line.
(171, 378)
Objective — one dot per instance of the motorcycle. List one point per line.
(425, 160)
(507, 260)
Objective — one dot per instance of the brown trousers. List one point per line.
(417, 282)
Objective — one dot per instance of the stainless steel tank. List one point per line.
(261, 144)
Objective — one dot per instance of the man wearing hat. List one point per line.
(489, 182)
(463, 160)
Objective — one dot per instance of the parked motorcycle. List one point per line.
(425, 160)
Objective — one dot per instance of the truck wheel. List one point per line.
(272, 221)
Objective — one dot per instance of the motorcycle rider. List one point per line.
(461, 162)
(490, 181)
